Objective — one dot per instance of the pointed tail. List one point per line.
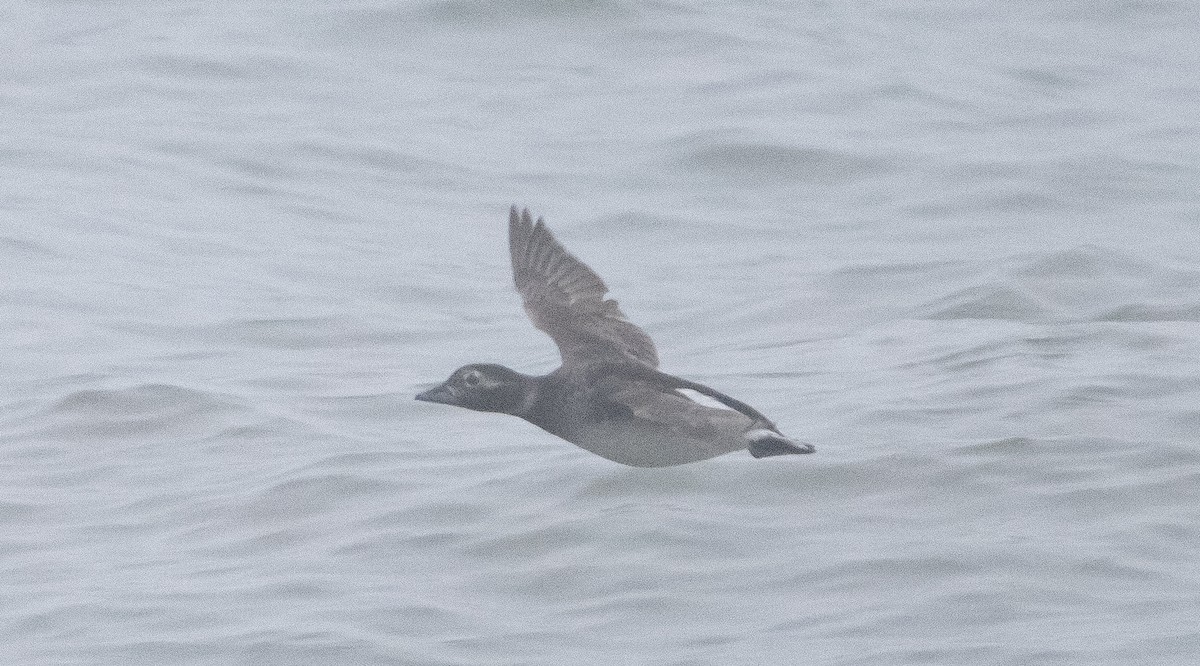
(766, 443)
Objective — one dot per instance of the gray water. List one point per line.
(954, 245)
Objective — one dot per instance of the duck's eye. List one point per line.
(472, 378)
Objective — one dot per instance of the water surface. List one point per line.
(952, 245)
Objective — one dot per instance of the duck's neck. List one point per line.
(529, 396)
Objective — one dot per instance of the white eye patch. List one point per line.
(701, 399)
(489, 383)
(478, 380)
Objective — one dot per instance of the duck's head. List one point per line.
(484, 387)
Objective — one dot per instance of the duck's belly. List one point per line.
(640, 446)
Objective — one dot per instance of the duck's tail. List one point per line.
(765, 443)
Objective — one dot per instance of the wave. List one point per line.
(746, 161)
(1085, 283)
(131, 413)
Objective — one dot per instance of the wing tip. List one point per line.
(517, 218)
(520, 225)
(527, 242)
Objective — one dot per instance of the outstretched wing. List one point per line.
(565, 298)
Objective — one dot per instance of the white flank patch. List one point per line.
(701, 399)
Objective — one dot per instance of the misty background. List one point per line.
(954, 245)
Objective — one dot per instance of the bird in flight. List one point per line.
(608, 396)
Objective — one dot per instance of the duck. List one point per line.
(608, 395)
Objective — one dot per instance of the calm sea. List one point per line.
(955, 245)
